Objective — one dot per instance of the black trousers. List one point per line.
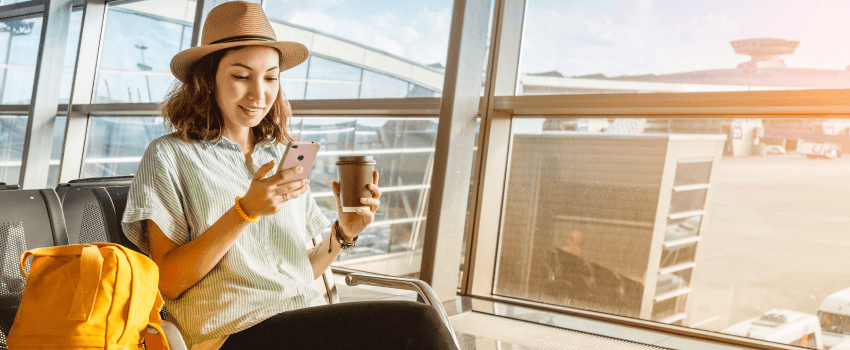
(363, 325)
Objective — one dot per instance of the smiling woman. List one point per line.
(227, 234)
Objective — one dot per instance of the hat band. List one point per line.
(242, 38)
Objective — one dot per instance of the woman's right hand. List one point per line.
(267, 196)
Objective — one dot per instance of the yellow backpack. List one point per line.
(95, 296)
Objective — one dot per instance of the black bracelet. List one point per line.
(335, 234)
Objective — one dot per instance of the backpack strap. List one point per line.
(140, 282)
(91, 264)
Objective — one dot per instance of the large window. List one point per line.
(706, 223)
(623, 46)
(139, 41)
(370, 49)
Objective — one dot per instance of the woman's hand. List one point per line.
(267, 196)
(352, 224)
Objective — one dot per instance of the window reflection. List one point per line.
(705, 229)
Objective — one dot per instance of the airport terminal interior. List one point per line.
(621, 174)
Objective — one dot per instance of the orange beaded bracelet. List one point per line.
(242, 213)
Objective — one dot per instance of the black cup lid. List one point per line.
(355, 159)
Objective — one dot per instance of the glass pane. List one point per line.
(407, 41)
(583, 225)
(115, 145)
(625, 46)
(692, 173)
(376, 85)
(12, 132)
(393, 243)
(19, 41)
(139, 41)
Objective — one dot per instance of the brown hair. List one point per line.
(190, 108)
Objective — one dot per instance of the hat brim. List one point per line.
(292, 54)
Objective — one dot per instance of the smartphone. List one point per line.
(297, 153)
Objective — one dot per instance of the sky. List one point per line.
(630, 37)
(612, 37)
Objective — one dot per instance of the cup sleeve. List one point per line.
(154, 195)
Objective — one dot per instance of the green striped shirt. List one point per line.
(184, 188)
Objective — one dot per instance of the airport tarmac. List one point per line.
(778, 236)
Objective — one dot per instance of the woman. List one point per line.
(227, 233)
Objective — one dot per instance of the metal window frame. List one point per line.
(35, 160)
(83, 86)
(459, 108)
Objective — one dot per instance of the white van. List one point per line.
(834, 316)
(782, 326)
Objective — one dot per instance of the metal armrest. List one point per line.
(172, 335)
(419, 286)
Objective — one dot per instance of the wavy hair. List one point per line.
(190, 108)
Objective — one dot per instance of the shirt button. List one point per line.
(266, 247)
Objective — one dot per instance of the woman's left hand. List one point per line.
(352, 224)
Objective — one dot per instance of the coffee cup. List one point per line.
(355, 176)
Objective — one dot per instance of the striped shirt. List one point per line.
(185, 188)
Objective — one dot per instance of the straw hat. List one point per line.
(237, 23)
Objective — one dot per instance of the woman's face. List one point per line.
(246, 85)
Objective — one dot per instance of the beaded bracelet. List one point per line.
(242, 213)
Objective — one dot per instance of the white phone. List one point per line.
(301, 153)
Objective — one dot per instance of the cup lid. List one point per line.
(355, 159)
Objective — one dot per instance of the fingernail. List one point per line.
(299, 169)
(306, 182)
(363, 200)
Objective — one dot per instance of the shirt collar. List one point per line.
(223, 140)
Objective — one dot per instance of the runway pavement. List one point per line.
(778, 236)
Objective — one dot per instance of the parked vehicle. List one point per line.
(834, 317)
(818, 150)
(782, 326)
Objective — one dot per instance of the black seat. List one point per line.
(4, 186)
(118, 194)
(90, 215)
(109, 181)
(28, 219)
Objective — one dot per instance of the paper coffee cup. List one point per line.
(355, 176)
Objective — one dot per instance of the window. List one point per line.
(12, 132)
(402, 43)
(655, 222)
(115, 145)
(139, 41)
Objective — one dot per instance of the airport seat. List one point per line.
(4, 186)
(111, 181)
(28, 219)
(90, 215)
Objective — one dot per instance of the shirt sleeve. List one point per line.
(316, 221)
(154, 195)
